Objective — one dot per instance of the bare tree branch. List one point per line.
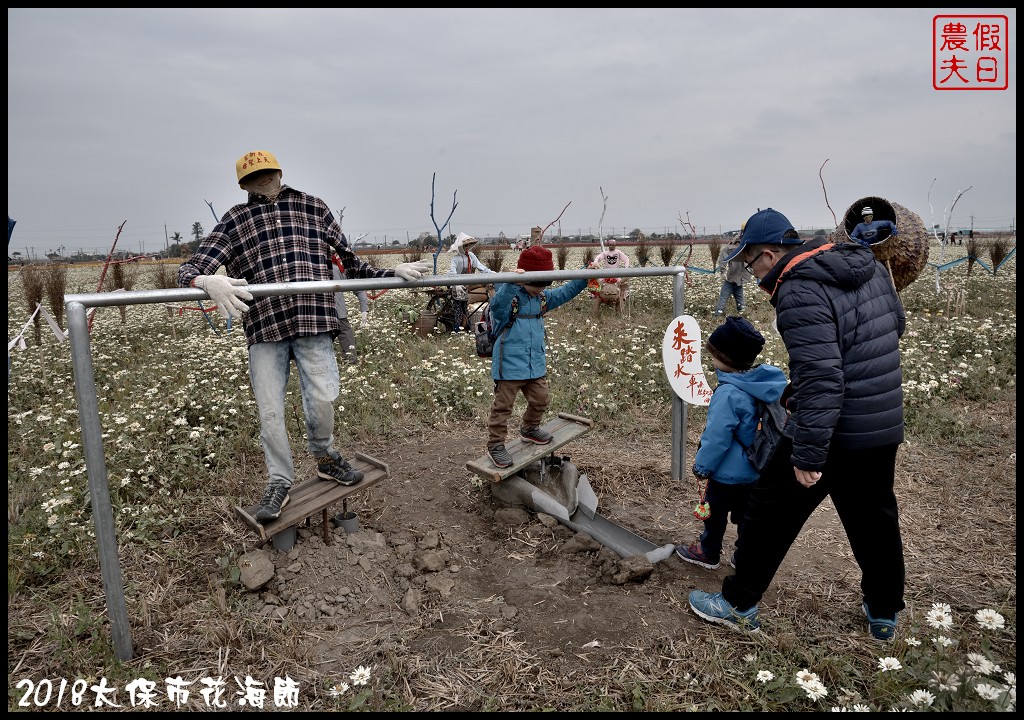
(600, 223)
(539, 239)
(455, 204)
(688, 225)
(826, 194)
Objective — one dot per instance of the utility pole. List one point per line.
(167, 241)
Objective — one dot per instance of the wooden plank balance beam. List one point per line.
(313, 496)
(564, 429)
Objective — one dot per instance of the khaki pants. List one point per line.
(505, 391)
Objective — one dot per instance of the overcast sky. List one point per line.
(138, 116)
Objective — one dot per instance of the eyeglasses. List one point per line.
(749, 267)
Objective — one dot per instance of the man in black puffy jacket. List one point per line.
(841, 320)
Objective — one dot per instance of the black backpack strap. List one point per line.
(759, 407)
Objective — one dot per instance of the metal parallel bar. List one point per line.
(142, 297)
(99, 489)
(88, 407)
(678, 406)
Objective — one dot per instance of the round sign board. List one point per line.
(680, 351)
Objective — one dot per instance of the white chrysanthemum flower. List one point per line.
(981, 664)
(338, 689)
(889, 663)
(913, 641)
(1011, 680)
(765, 676)
(989, 619)
(360, 676)
(815, 689)
(860, 707)
(940, 616)
(921, 698)
(942, 641)
(806, 676)
(944, 681)
(988, 692)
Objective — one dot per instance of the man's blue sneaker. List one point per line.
(715, 608)
(882, 629)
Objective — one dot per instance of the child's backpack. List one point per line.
(771, 418)
(486, 333)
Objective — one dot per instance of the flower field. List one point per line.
(180, 429)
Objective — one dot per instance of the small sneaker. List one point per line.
(337, 469)
(274, 499)
(882, 629)
(694, 554)
(535, 435)
(715, 608)
(499, 456)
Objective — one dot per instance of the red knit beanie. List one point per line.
(536, 259)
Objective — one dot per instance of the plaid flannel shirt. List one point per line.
(289, 240)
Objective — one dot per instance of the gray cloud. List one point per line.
(139, 115)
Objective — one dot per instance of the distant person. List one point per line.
(952, 238)
(282, 235)
(464, 261)
(347, 336)
(519, 362)
(610, 289)
(870, 231)
(733, 277)
(731, 423)
(841, 320)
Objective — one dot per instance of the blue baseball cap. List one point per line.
(765, 227)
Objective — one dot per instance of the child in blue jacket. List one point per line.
(731, 423)
(519, 363)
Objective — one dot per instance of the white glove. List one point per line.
(413, 270)
(226, 294)
(366, 317)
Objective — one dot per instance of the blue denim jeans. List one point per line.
(269, 367)
(729, 290)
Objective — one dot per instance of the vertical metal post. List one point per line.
(678, 406)
(99, 491)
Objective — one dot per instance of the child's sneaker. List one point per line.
(535, 435)
(694, 554)
(882, 629)
(499, 456)
(715, 608)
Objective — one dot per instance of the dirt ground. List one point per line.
(457, 601)
(441, 576)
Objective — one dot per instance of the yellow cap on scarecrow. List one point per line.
(254, 162)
